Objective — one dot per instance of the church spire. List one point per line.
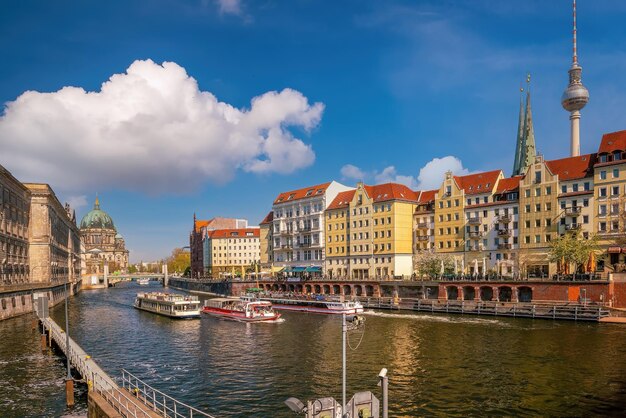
(96, 204)
(530, 151)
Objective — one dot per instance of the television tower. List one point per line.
(575, 96)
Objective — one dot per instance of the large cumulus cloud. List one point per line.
(151, 129)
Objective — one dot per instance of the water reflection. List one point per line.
(438, 365)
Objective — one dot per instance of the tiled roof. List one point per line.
(268, 218)
(426, 196)
(302, 193)
(572, 168)
(234, 233)
(615, 141)
(390, 191)
(509, 184)
(478, 183)
(342, 200)
(201, 223)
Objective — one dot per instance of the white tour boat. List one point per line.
(240, 309)
(169, 304)
(316, 306)
(144, 282)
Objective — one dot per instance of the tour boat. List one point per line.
(240, 309)
(169, 304)
(316, 306)
(144, 282)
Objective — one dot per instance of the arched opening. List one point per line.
(369, 290)
(299, 288)
(504, 294)
(307, 288)
(468, 293)
(318, 288)
(275, 287)
(326, 289)
(283, 287)
(486, 293)
(336, 289)
(452, 292)
(292, 288)
(358, 290)
(347, 290)
(525, 294)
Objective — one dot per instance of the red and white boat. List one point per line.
(240, 310)
(316, 306)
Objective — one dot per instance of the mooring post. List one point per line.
(35, 323)
(69, 391)
(50, 337)
(44, 343)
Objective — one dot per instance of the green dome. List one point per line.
(97, 219)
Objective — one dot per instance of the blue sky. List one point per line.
(385, 87)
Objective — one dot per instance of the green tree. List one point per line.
(572, 248)
(428, 263)
(178, 261)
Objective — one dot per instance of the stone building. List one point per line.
(231, 252)
(199, 231)
(103, 243)
(54, 247)
(14, 222)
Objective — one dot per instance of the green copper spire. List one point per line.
(525, 149)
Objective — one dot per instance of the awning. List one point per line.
(313, 269)
(298, 269)
(277, 269)
(614, 250)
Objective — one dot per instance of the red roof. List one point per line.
(572, 168)
(234, 233)
(615, 141)
(268, 218)
(391, 191)
(199, 224)
(478, 183)
(301, 193)
(508, 184)
(426, 196)
(342, 200)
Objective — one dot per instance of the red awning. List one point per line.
(614, 250)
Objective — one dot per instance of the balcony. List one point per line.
(504, 232)
(573, 211)
(573, 227)
(504, 246)
(423, 238)
(475, 234)
(505, 219)
(304, 245)
(424, 209)
(474, 248)
(474, 221)
(422, 225)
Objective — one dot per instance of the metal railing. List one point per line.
(159, 401)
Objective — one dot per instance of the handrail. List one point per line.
(159, 403)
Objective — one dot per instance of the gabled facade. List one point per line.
(266, 241)
(231, 252)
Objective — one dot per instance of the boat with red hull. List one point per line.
(240, 310)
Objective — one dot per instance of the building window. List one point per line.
(538, 191)
(527, 192)
(548, 190)
(537, 239)
(564, 189)
(602, 175)
(527, 239)
(616, 173)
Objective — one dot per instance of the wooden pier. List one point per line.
(134, 398)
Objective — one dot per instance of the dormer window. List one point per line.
(291, 196)
(309, 192)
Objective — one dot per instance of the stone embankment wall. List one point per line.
(19, 301)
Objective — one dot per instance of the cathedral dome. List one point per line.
(97, 219)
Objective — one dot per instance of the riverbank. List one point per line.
(19, 299)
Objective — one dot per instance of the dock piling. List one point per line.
(69, 392)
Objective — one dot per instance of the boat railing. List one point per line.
(161, 403)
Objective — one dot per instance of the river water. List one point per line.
(438, 365)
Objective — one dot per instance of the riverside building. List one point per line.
(198, 234)
(298, 229)
(231, 252)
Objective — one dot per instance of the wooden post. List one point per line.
(44, 343)
(35, 323)
(50, 337)
(69, 392)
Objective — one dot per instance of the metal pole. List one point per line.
(385, 385)
(343, 362)
(69, 383)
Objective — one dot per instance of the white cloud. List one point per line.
(230, 6)
(390, 175)
(352, 172)
(433, 173)
(430, 176)
(77, 202)
(151, 129)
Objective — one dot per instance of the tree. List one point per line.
(178, 261)
(571, 248)
(428, 263)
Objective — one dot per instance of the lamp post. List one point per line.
(69, 382)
